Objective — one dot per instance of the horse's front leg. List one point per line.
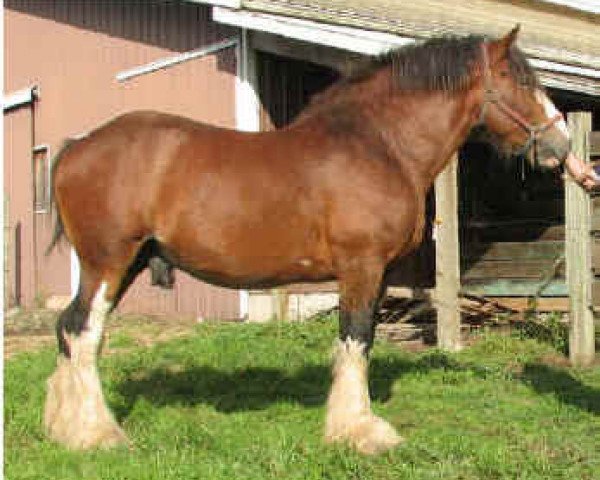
(349, 417)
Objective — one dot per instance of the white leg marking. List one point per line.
(551, 111)
(75, 412)
(85, 346)
(349, 416)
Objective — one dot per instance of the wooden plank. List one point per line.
(595, 253)
(514, 251)
(321, 287)
(553, 304)
(594, 143)
(338, 60)
(281, 301)
(595, 222)
(525, 229)
(447, 254)
(578, 250)
(520, 269)
(596, 293)
(515, 288)
(595, 204)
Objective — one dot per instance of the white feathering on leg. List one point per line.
(349, 416)
(75, 413)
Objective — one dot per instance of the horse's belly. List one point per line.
(252, 262)
(258, 272)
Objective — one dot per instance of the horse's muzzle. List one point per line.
(551, 149)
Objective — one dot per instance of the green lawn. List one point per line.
(240, 401)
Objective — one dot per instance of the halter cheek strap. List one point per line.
(491, 95)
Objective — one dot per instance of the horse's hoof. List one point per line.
(98, 436)
(370, 435)
(374, 436)
(112, 436)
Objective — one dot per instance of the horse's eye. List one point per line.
(504, 73)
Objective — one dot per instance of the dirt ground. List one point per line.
(28, 330)
(32, 329)
(405, 321)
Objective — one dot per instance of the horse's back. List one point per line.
(240, 208)
(132, 154)
(114, 174)
(205, 193)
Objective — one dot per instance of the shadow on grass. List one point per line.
(228, 391)
(567, 389)
(256, 388)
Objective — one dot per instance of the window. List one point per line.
(41, 172)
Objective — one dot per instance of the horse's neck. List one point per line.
(424, 130)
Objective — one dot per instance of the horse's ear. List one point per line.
(500, 47)
(511, 36)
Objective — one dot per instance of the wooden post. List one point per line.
(280, 303)
(447, 258)
(247, 118)
(578, 250)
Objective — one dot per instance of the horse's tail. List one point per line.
(59, 227)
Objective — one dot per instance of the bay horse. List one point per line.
(338, 194)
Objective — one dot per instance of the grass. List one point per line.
(247, 402)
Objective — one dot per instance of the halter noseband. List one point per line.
(491, 95)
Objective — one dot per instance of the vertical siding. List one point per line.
(73, 50)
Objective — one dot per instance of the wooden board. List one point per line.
(558, 304)
(525, 229)
(595, 221)
(596, 256)
(596, 293)
(447, 253)
(578, 221)
(523, 269)
(594, 143)
(515, 251)
(514, 288)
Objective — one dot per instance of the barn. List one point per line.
(253, 65)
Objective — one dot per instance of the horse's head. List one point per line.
(516, 109)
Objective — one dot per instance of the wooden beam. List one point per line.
(578, 250)
(339, 60)
(511, 251)
(594, 143)
(247, 118)
(281, 302)
(513, 269)
(552, 304)
(447, 256)
(515, 287)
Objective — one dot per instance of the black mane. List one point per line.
(441, 63)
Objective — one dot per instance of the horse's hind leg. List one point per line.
(349, 417)
(75, 413)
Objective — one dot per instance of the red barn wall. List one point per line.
(72, 51)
